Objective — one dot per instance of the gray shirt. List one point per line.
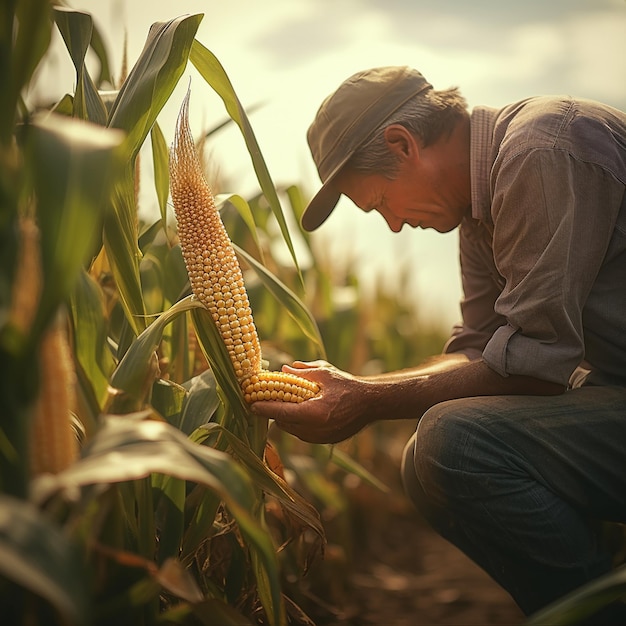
(543, 255)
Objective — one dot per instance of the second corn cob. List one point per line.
(215, 275)
(53, 442)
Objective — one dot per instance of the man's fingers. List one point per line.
(263, 409)
(298, 365)
(278, 411)
(302, 365)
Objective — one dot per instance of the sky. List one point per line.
(285, 56)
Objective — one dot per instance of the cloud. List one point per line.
(444, 25)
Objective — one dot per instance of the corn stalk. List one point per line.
(148, 463)
(171, 498)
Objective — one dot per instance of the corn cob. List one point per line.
(27, 283)
(53, 442)
(215, 275)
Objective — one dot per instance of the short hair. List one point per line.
(428, 115)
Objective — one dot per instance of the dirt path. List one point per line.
(401, 573)
(412, 576)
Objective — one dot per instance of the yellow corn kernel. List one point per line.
(278, 386)
(27, 282)
(214, 271)
(215, 275)
(53, 443)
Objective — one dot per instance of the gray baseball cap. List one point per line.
(347, 119)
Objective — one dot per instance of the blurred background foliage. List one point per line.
(174, 506)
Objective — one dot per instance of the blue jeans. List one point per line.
(516, 482)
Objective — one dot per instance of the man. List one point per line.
(521, 441)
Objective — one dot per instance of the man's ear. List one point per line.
(401, 142)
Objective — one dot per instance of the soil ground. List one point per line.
(411, 576)
(398, 571)
(404, 574)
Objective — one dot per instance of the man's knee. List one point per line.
(444, 452)
(440, 440)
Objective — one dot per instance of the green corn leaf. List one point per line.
(120, 242)
(201, 402)
(38, 556)
(152, 79)
(176, 277)
(583, 603)
(243, 208)
(323, 488)
(160, 160)
(65, 106)
(144, 505)
(156, 246)
(108, 98)
(136, 107)
(25, 31)
(183, 353)
(131, 447)
(288, 299)
(148, 235)
(97, 45)
(266, 480)
(264, 589)
(203, 505)
(168, 399)
(169, 515)
(76, 29)
(134, 369)
(213, 73)
(89, 327)
(73, 167)
(217, 355)
(297, 203)
(350, 465)
(155, 249)
(152, 285)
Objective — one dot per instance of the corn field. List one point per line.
(135, 486)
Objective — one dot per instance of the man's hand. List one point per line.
(348, 403)
(335, 414)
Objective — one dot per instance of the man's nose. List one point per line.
(394, 223)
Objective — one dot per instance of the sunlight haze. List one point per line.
(288, 55)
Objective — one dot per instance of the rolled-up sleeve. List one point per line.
(553, 219)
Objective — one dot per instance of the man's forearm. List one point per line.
(349, 403)
(415, 394)
(440, 363)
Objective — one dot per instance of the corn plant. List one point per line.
(163, 514)
(135, 487)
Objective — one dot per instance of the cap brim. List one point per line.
(320, 207)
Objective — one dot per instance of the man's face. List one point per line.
(418, 197)
(431, 188)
